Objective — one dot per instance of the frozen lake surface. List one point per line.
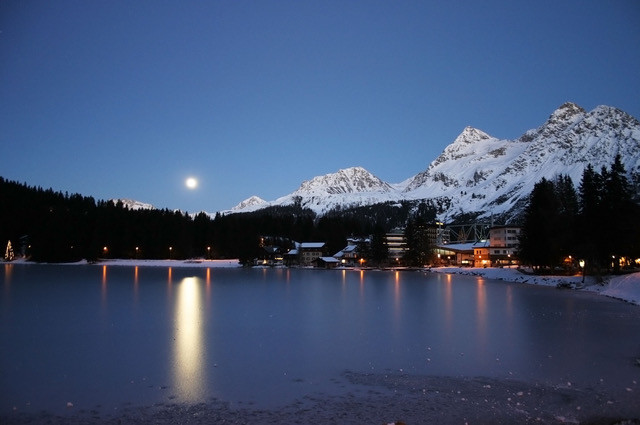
(103, 337)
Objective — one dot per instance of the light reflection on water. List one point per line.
(189, 365)
(481, 308)
(277, 334)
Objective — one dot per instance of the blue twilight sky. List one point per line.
(112, 98)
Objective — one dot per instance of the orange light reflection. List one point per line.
(481, 308)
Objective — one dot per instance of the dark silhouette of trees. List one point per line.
(598, 223)
(419, 249)
(609, 227)
(539, 244)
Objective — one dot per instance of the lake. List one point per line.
(100, 337)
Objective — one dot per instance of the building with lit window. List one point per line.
(504, 244)
(396, 243)
(309, 252)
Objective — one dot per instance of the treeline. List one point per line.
(51, 226)
(597, 223)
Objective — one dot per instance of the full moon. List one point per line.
(191, 183)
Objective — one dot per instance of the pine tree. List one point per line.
(618, 209)
(379, 250)
(567, 198)
(539, 244)
(418, 247)
(589, 234)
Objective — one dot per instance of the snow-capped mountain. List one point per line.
(133, 204)
(480, 173)
(345, 188)
(250, 204)
(350, 180)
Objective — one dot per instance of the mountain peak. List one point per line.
(251, 203)
(471, 135)
(566, 112)
(348, 180)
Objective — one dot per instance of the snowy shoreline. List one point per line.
(146, 263)
(622, 287)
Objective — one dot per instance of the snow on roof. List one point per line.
(470, 246)
(329, 259)
(311, 245)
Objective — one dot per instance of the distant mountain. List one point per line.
(478, 173)
(133, 204)
(250, 204)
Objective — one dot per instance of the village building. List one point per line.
(327, 262)
(349, 255)
(481, 254)
(396, 244)
(270, 255)
(471, 254)
(504, 244)
(305, 253)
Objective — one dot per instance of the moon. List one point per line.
(191, 183)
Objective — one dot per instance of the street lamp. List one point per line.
(582, 267)
(209, 252)
(170, 249)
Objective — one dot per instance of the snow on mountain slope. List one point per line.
(480, 173)
(345, 188)
(350, 180)
(133, 204)
(252, 203)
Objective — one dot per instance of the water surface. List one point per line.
(111, 335)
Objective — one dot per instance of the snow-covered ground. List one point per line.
(625, 287)
(156, 263)
(174, 263)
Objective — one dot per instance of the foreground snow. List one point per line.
(626, 287)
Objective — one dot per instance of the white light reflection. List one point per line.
(188, 366)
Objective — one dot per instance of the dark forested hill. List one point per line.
(52, 226)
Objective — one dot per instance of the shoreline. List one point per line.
(622, 287)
